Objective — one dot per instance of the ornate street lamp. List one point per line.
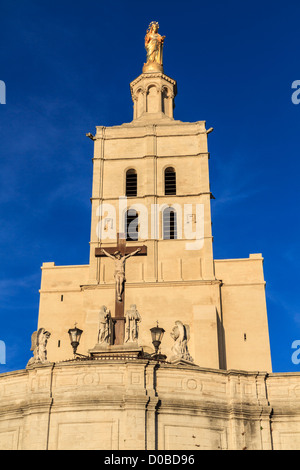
(75, 335)
(157, 334)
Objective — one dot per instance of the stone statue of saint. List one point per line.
(39, 340)
(105, 326)
(120, 269)
(133, 319)
(181, 336)
(154, 43)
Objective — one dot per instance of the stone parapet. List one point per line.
(142, 404)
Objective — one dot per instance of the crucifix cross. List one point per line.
(119, 255)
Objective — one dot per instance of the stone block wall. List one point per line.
(144, 405)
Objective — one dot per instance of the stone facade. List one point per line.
(222, 301)
(220, 393)
(145, 405)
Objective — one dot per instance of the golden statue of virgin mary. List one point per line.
(154, 43)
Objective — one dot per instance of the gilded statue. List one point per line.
(154, 43)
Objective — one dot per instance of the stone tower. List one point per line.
(151, 183)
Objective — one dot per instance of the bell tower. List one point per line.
(151, 244)
(168, 161)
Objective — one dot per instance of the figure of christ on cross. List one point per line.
(119, 255)
(119, 274)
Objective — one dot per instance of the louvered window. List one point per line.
(169, 224)
(170, 182)
(132, 225)
(131, 183)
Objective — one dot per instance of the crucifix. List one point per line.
(119, 255)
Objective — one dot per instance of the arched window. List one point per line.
(132, 225)
(170, 181)
(167, 101)
(152, 99)
(131, 183)
(169, 224)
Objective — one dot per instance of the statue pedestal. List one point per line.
(177, 361)
(153, 67)
(128, 351)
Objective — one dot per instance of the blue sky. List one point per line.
(67, 66)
